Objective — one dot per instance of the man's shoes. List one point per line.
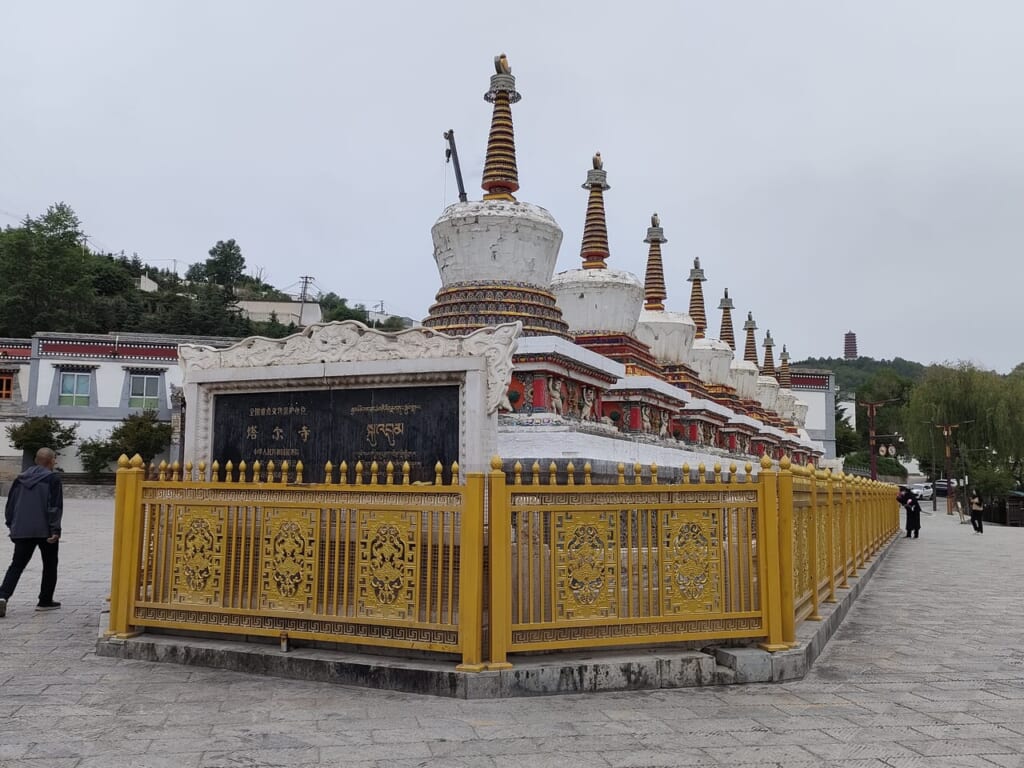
(50, 606)
(3, 607)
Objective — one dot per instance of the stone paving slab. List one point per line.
(927, 671)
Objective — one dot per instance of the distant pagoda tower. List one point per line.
(850, 346)
(496, 257)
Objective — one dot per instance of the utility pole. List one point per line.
(947, 435)
(452, 154)
(307, 280)
(872, 409)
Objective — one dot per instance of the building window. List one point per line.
(144, 392)
(74, 389)
(6, 386)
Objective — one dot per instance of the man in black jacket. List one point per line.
(35, 505)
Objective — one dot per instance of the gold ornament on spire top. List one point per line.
(501, 174)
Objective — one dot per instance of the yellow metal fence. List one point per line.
(374, 560)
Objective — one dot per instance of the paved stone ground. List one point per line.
(927, 670)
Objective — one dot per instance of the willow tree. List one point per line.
(978, 409)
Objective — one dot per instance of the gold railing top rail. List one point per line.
(285, 473)
(634, 475)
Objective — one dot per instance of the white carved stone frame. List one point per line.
(350, 355)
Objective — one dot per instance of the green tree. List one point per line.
(334, 307)
(46, 276)
(983, 413)
(226, 265)
(847, 439)
(41, 432)
(142, 434)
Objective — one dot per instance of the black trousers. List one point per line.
(23, 549)
(976, 521)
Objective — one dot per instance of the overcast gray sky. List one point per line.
(838, 166)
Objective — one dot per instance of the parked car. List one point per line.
(923, 491)
(942, 487)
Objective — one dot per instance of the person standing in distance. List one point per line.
(35, 505)
(977, 509)
(909, 501)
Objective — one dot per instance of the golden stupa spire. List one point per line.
(654, 279)
(784, 378)
(768, 369)
(750, 350)
(727, 334)
(697, 299)
(595, 230)
(501, 176)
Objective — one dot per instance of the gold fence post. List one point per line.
(128, 509)
(774, 573)
(812, 548)
(786, 551)
(844, 529)
(114, 619)
(831, 539)
(500, 550)
(471, 572)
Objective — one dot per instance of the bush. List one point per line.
(886, 464)
(141, 434)
(96, 456)
(41, 432)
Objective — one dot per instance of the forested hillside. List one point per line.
(50, 281)
(851, 375)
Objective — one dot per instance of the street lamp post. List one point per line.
(872, 410)
(947, 434)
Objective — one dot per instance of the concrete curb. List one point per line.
(622, 670)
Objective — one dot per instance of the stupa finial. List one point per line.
(768, 369)
(501, 176)
(654, 279)
(785, 380)
(594, 251)
(697, 299)
(750, 349)
(727, 334)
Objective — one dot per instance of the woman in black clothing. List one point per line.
(909, 501)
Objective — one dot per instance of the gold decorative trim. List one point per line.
(638, 630)
(339, 631)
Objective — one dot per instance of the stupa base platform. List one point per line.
(530, 675)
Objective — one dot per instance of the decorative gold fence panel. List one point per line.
(639, 561)
(373, 563)
(374, 560)
(805, 543)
